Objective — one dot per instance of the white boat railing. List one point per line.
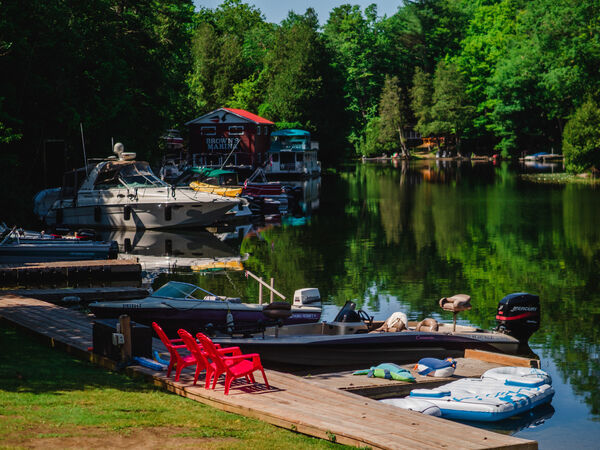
(262, 283)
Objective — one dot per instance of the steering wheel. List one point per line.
(364, 316)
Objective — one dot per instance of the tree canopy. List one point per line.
(498, 74)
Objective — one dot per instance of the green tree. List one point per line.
(581, 140)
(450, 111)
(393, 114)
(227, 49)
(421, 96)
(352, 40)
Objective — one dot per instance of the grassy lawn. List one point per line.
(50, 399)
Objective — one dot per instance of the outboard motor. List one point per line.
(519, 315)
(306, 297)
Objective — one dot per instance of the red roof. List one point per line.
(249, 116)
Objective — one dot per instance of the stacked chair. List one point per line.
(207, 355)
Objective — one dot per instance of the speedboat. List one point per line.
(18, 246)
(120, 192)
(183, 305)
(354, 339)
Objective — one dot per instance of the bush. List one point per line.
(581, 138)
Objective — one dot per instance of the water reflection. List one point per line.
(400, 238)
(169, 251)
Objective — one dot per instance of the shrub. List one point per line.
(581, 138)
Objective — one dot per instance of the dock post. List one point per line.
(271, 296)
(260, 291)
(125, 324)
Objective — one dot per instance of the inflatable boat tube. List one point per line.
(489, 398)
(413, 404)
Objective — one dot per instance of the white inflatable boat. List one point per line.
(499, 393)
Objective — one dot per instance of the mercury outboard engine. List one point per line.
(519, 315)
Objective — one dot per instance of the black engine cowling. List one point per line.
(519, 315)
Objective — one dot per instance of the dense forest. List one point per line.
(485, 75)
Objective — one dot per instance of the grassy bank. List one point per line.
(559, 178)
(50, 399)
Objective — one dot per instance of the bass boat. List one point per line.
(354, 339)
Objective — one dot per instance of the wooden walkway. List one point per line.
(299, 404)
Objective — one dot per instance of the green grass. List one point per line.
(559, 178)
(49, 398)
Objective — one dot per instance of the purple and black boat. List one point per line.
(182, 305)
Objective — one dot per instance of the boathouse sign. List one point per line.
(221, 143)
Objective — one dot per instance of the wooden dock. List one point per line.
(301, 404)
(52, 272)
(85, 295)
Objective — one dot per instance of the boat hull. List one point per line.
(152, 215)
(360, 350)
(32, 252)
(196, 318)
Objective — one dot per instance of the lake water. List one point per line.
(400, 238)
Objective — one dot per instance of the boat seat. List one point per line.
(456, 303)
(428, 324)
(396, 322)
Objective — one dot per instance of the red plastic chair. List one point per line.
(233, 367)
(180, 362)
(201, 356)
(197, 352)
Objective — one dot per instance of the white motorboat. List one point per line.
(18, 246)
(122, 193)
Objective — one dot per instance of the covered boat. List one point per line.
(182, 305)
(354, 339)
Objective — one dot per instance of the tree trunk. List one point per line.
(405, 152)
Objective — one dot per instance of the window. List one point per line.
(236, 130)
(208, 131)
(258, 130)
(275, 157)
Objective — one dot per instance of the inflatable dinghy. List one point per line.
(499, 393)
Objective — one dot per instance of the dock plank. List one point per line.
(308, 406)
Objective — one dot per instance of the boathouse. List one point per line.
(232, 136)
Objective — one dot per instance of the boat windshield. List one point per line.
(175, 289)
(131, 174)
(140, 175)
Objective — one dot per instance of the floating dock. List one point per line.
(70, 271)
(309, 405)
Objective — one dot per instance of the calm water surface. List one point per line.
(400, 238)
